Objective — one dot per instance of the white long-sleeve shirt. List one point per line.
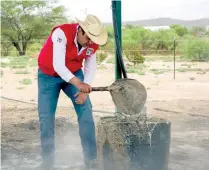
(59, 50)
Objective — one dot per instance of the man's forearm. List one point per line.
(75, 81)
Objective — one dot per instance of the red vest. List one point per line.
(73, 61)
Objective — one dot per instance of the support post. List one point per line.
(116, 4)
(174, 58)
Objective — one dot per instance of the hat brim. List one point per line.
(100, 40)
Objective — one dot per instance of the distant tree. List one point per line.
(129, 26)
(180, 30)
(5, 48)
(22, 21)
(198, 31)
(195, 49)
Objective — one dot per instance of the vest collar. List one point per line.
(76, 43)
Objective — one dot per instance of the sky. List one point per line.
(139, 9)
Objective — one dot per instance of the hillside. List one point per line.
(169, 21)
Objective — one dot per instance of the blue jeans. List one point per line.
(48, 93)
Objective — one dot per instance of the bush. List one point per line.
(6, 48)
(135, 57)
(101, 56)
(164, 41)
(19, 62)
(26, 81)
(108, 47)
(195, 49)
(34, 48)
(130, 45)
(180, 30)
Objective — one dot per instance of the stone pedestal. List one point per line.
(131, 145)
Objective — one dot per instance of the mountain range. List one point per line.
(203, 22)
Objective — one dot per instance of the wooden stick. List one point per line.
(100, 88)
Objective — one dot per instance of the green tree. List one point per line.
(23, 21)
(163, 40)
(195, 49)
(197, 31)
(5, 48)
(129, 26)
(101, 56)
(135, 34)
(135, 38)
(180, 30)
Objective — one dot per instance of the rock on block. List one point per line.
(131, 145)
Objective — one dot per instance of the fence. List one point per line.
(145, 47)
(18, 73)
(166, 50)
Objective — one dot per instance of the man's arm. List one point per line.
(59, 50)
(89, 69)
(89, 73)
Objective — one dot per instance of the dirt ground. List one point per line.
(183, 101)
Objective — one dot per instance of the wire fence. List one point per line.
(148, 50)
(146, 46)
(140, 61)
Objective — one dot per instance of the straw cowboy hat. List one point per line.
(94, 29)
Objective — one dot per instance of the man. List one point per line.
(60, 68)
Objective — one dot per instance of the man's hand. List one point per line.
(83, 87)
(80, 97)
